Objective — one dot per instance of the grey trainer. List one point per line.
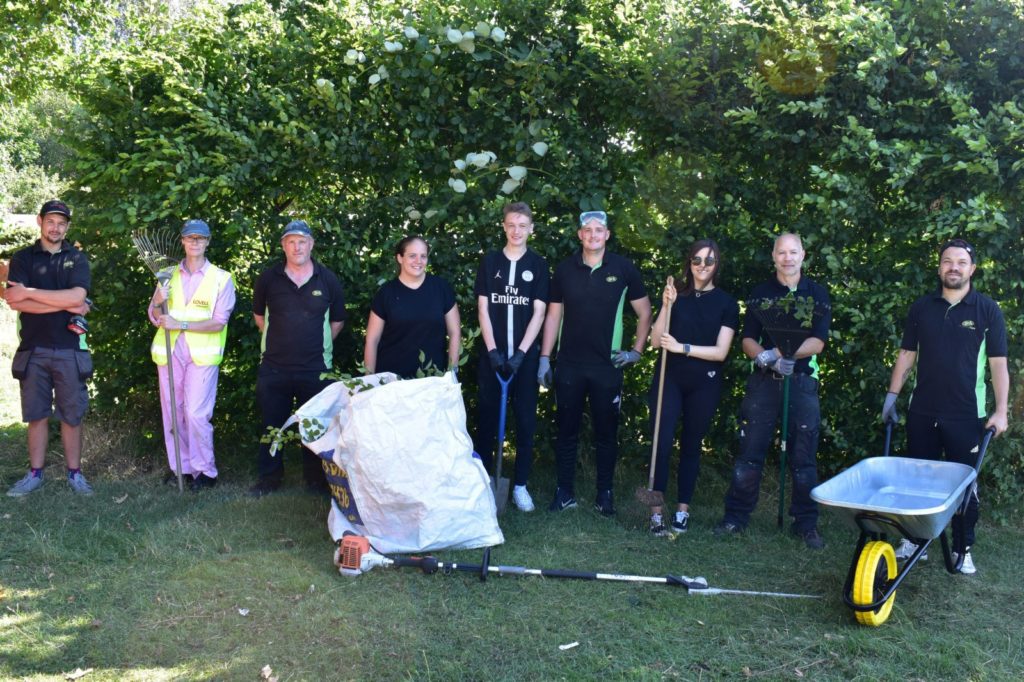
(79, 484)
(29, 484)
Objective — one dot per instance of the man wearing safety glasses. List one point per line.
(588, 293)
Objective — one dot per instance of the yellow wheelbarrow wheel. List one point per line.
(875, 568)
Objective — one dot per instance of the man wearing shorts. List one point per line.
(47, 286)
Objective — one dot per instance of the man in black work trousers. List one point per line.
(588, 294)
(299, 307)
(952, 334)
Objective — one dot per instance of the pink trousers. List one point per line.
(195, 391)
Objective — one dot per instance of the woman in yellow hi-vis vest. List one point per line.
(200, 297)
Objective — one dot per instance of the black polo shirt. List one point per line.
(953, 344)
(774, 289)
(37, 268)
(511, 288)
(593, 300)
(296, 320)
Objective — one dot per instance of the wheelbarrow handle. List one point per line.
(888, 438)
(990, 433)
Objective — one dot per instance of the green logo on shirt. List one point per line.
(611, 278)
(317, 292)
(969, 324)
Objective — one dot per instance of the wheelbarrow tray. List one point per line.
(921, 496)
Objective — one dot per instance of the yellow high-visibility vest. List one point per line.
(206, 348)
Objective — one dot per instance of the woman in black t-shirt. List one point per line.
(704, 320)
(412, 314)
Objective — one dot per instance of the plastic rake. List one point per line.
(158, 250)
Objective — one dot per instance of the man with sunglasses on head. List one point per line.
(951, 335)
(588, 294)
(199, 297)
(762, 402)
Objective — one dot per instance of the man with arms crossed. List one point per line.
(47, 286)
(951, 335)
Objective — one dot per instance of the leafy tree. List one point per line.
(876, 130)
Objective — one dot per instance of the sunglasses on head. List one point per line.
(587, 216)
(708, 260)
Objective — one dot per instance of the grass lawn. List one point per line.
(138, 582)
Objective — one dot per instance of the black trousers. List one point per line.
(522, 394)
(959, 440)
(691, 395)
(574, 384)
(278, 394)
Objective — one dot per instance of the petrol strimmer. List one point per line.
(356, 556)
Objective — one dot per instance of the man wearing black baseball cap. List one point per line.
(951, 335)
(47, 286)
(299, 308)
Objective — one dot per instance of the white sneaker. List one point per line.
(907, 549)
(968, 566)
(522, 499)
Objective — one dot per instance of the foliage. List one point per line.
(876, 130)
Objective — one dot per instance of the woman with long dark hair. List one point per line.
(411, 315)
(703, 320)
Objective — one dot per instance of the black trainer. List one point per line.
(201, 482)
(658, 526)
(727, 528)
(563, 500)
(265, 486)
(605, 503)
(811, 537)
(171, 478)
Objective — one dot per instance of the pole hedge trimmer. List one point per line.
(788, 322)
(160, 250)
(355, 556)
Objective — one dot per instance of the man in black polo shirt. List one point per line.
(951, 335)
(762, 402)
(47, 286)
(588, 292)
(299, 307)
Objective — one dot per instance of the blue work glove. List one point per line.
(766, 358)
(784, 366)
(889, 415)
(625, 357)
(496, 358)
(515, 362)
(544, 374)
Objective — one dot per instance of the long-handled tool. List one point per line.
(787, 321)
(649, 496)
(501, 484)
(156, 251)
(355, 557)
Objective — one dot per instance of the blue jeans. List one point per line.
(759, 412)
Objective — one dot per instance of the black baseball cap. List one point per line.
(55, 206)
(958, 244)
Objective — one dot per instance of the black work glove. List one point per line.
(515, 362)
(496, 359)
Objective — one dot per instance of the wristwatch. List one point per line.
(686, 349)
(184, 326)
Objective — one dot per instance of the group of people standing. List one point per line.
(562, 331)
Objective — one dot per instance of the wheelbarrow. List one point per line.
(912, 498)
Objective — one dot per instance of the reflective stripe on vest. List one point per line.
(206, 348)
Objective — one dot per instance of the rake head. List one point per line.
(159, 249)
(788, 320)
